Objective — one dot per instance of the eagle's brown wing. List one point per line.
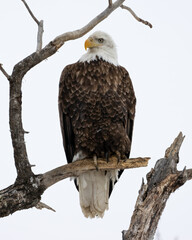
(65, 120)
(127, 95)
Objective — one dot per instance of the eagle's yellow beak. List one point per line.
(89, 43)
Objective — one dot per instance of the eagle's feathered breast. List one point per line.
(97, 107)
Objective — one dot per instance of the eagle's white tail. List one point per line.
(94, 191)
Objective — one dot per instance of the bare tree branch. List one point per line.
(30, 12)
(3, 71)
(40, 36)
(40, 27)
(136, 17)
(60, 40)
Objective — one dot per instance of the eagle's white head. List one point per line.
(100, 45)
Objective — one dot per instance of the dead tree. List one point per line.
(28, 188)
(162, 180)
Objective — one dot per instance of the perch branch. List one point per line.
(3, 71)
(136, 17)
(27, 194)
(161, 182)
(77, 167)
(40, 27)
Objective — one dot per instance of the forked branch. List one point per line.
(4, 72)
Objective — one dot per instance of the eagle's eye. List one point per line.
(100, 40)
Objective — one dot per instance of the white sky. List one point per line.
(159, 63)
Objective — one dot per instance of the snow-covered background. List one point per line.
(159, 61)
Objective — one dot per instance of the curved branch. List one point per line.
(136, 17)
(30, 12)
(60, 40)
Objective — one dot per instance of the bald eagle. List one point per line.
(97, 109)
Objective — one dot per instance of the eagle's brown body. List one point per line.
(97, 107)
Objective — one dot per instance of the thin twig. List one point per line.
(41, 205)
(40, 27)
(4, 72)
(136, 17)
(40, 36)
(110, 3)
(30, 12)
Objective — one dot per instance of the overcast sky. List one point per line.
(159, 61)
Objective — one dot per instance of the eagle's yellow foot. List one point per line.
(95, 161)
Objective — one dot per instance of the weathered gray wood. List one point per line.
(162, 180)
